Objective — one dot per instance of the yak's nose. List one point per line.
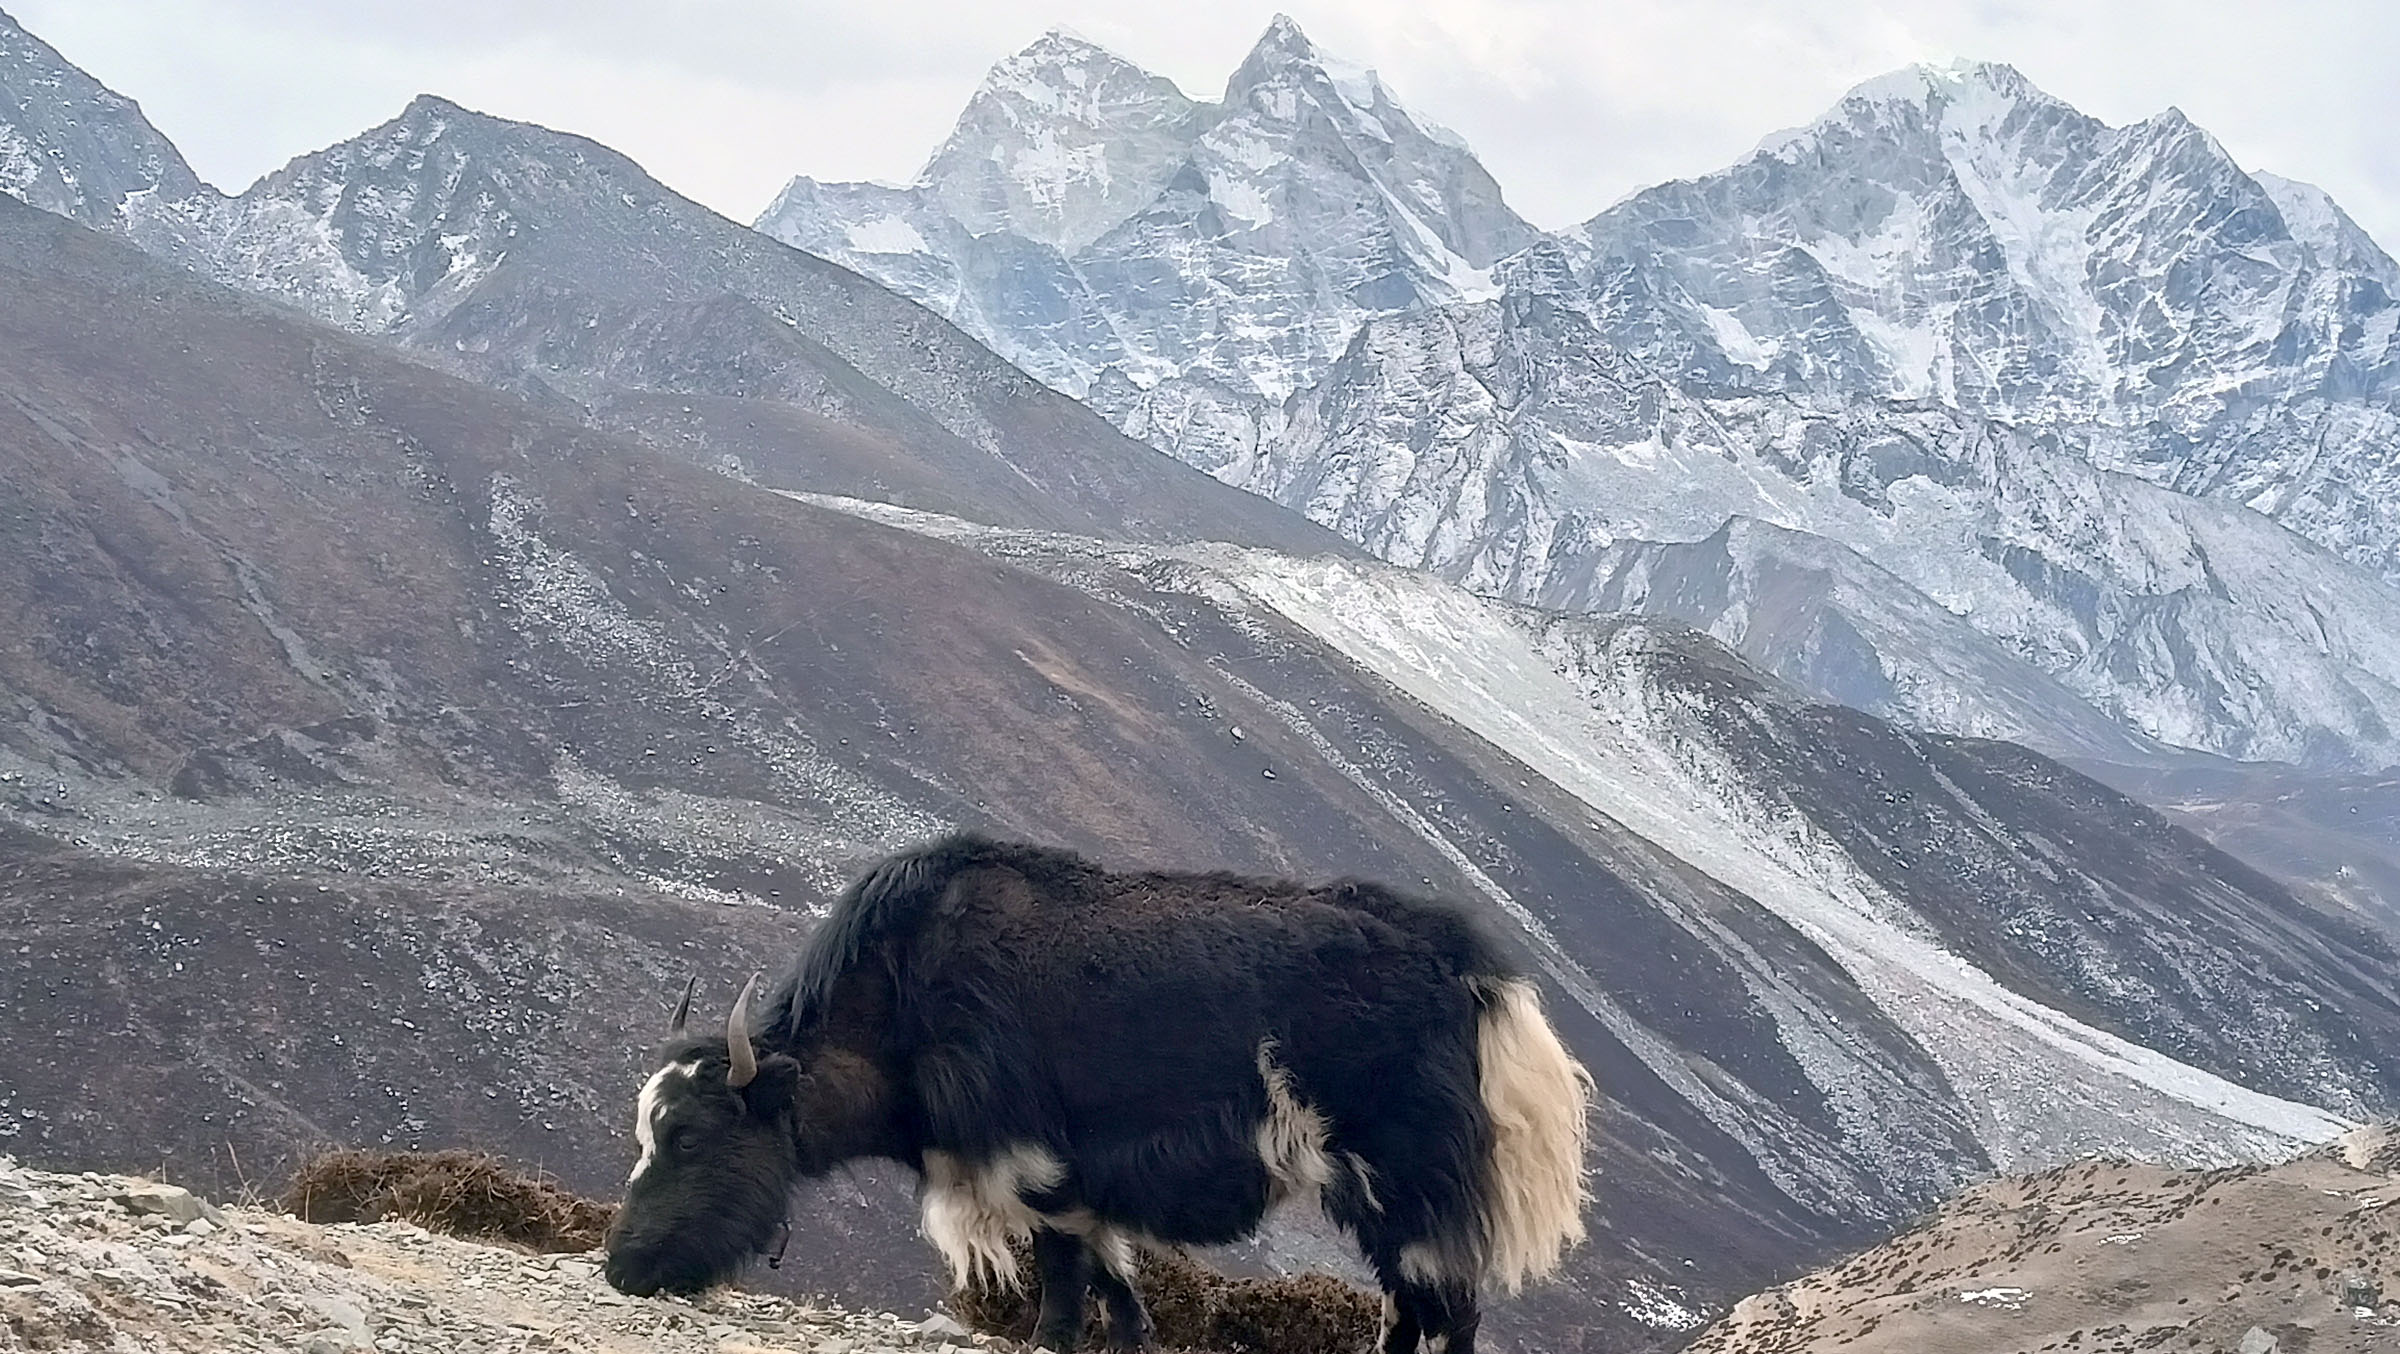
(627, 1274)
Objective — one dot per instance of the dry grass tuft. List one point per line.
(1198, 1309)
(465, 1194)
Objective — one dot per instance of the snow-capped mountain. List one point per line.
(1953, 233)
(2055, 378)
(1182, 264)
(71, 145)
(1062, 142)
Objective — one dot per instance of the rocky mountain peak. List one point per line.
(71, 145)
(1059, 76)
(427, 204)
(1961, 81)
(2315, 220)
(1939, 111)
(1284, 64)
(1281, 51)
(1061, 141)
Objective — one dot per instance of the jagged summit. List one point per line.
(1285, 58)
(1958, 99)
(1278, 50)
(1058, 71)
(1060, 142)
(71, 145)
(1306, 198)
(1925, 82)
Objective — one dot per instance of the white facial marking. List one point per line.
(649, 1108)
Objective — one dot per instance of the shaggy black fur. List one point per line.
(977, 996)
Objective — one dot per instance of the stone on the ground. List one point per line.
(176, 1205)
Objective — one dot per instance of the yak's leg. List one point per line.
(1399, 1332)
(1425, 1311)
(1129, 1325)
(1448, 1314)
(1066, 1268)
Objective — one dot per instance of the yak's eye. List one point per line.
(682, 1140)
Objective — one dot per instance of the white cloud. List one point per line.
(1570, 103)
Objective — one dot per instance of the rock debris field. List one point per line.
(2109, 1257)
(102, 1262)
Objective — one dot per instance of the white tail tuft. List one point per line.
(1539, 1100)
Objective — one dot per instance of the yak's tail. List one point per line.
(1538, 1098)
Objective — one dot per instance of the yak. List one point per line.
(1093, 1061)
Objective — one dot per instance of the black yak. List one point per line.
(1096, 1061)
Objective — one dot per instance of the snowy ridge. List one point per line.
(1511, 448)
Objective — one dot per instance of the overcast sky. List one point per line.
(1571, 103)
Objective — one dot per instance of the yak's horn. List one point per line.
(683, 1009)
(742, 1064)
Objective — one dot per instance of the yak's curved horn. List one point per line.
(742, 1063)
(683, 1009)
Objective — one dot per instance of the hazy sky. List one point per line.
(1571, 103)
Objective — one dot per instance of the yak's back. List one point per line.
(981, 889)
(887, 904)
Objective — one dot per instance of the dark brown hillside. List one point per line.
(282, 533)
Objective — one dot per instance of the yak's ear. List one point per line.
(775, 1088)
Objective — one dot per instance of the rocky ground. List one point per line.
(2106, 1256)
(102, 1262)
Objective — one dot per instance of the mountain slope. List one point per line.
(551, 266)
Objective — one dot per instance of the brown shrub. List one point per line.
(467, 1194)
(1197, 1309)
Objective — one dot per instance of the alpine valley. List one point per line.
(1901, 633)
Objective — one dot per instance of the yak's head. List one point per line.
(717, 1126)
